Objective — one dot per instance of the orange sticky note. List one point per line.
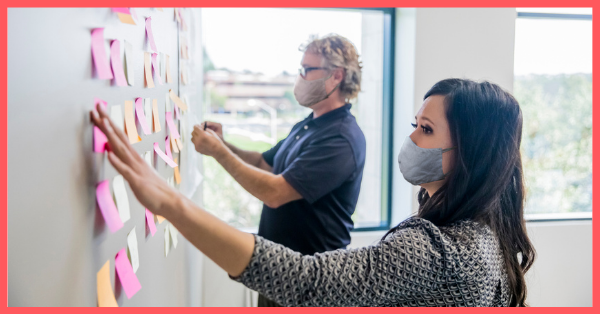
(184, 76)
(168, 70)
(130, 128)
(148, 70)
(177, 177)
(155, 115)
(126, 18)
(160, 9)
(177, 101)
(178, 141)
(160, 218)
(106, 297)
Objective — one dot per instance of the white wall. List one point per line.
(434, 44)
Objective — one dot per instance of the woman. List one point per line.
(466, 246)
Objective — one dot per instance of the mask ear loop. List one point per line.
(333, 90)
(447, 150)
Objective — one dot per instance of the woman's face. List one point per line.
(431, 131)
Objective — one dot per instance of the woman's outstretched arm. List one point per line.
(228, 247)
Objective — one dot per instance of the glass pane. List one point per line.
(248, 86)
(553, 84)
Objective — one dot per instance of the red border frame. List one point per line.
(305, 3)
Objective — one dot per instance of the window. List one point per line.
(251, 60)
(553, 84)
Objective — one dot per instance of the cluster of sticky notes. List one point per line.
(124, 15)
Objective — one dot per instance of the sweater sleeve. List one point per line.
(405, 263)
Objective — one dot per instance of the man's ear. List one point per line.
(339, 74)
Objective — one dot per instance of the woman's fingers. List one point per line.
(104, 115)
(121, 167)
(119, 147)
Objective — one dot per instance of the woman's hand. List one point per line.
(147, 186)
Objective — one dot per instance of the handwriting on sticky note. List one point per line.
(128, 279)
(177, 101)
(99, 54)
(121, 197)
(116, 115)
(107, 207)
(132, 250)
(148, 70)
(139, 111)
(130, 127)
(164, 157)
(150, 222)
(156, 69)
(116, 64)
(100, 140)
(106, 297)
(129, 62)
(171, 125)
(149, 33)
(155, 115)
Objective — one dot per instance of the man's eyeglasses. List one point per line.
(303, 71)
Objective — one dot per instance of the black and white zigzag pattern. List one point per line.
(418, 265)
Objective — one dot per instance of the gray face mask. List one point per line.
(421, 165)
(308, 93)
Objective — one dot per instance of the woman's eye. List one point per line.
(414, 125)
(426, 130)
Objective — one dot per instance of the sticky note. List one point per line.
(149, 33)
(150, 222)
(99, 54)
(148, 70)
(156, 68)
(168, 148)
(132, 250)
(132, 10)
(121, 10)
(100, 140)
(171, 182)
(171, 125)
(121, 197)
(168, 69)
(160, 218)
(177, 113)
(106, 297)
(174, 146)
(148, 112)
(162, 64)
(178, 141)
(173, 233)
(139, 111)
(164, 157)
(107, 207)
(183, 76)
(130, 128)
(116, 64)
(160, 9)
(177, 101)
(167, 244)
(129, 281)
(148, 157)
(126, 18)
(129, 62)
(155, 115)
(168, 105)
(177, 175)
(116, 116)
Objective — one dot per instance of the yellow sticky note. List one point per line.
(148, 70)
(126, 18)
(130, 128)
(177, 101)
(106, 296)
(155, 115)
(160, 218)
(168, 70)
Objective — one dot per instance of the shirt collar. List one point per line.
(331, 115)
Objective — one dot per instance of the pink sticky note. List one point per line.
(139, 111)
(121, 10)
(156, 69)
(150, 221)
(149, 32)
(100, 139)
(116, 64)
(132, 10)
(177, 113)
(168, 148)
(128, 279)
(164, 157)
(107, 207)
(99, 54)
(171, 124)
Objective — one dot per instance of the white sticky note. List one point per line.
(171, 181)
(173, 233)
(132, 250)
(162, 65)
(167, 246)
(148, 112)
(121, 197)
(148, 157)
(168, 106)
(116, 115)
(129, 62)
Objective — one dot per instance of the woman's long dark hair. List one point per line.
(486, 183)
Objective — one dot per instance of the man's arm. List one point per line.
(253, 158)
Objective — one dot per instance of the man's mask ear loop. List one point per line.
(447, 150)
(333, 90)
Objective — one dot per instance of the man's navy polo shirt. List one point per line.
(322, 159)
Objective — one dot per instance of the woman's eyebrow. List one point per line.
(425, 118)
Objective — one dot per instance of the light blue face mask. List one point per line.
(421, 165)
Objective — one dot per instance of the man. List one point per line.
(310, 181)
